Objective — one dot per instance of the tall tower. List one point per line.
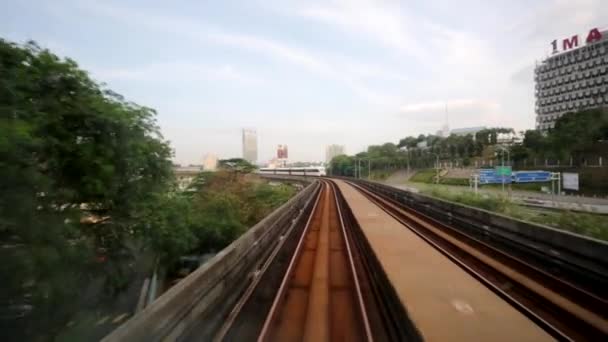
(332, 151)
(445, 130)
(250, 145)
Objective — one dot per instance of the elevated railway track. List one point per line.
(564, 310)
(328, 276)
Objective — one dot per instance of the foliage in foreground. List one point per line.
(79, 165)
(219, 207)
(86, 188)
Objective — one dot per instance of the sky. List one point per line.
(308, 73)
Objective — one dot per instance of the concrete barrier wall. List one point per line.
(296, 179)
(560, 243)
(207, 294)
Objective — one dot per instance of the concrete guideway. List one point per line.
(444, 302)
(563, 300)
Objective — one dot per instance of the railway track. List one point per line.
(331, 288)
(562, 309)
(320, 296)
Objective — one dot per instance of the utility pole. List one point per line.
(503, 167)
(436, 168)
(369, 169)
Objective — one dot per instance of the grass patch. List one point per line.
(380, 174)
(487, 202)
(424, 176)
(592, 225)
(535, 187)
(587, 224)
(454, 181)
(428, 176)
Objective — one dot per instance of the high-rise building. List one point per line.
(282, 152)
(210, 162)
(332, 151)
(250, 145)
(573, 78)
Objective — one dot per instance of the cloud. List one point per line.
(451, 104)
(176, 71)
(524, 75)
(349, 72)
(387, 24)
(273, 49)
(351, 77)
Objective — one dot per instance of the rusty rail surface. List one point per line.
(320, 297)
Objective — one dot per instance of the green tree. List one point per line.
(534, 140)
(409, 142)
(78, 166)
(236, 164)
(577, 132)
(342, 165)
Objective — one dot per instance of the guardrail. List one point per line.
(207, 295)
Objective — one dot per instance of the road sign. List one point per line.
(570, 180)
(503, 170)
(531, 176)
(489, 176)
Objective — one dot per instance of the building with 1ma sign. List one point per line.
(574, 78)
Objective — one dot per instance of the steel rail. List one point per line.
(223, 331)
(279, 299)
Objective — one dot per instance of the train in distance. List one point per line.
(294, 171)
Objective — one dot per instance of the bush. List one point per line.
(496, 204)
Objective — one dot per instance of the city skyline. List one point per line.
(307, 74)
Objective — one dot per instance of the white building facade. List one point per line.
(250, 145)
(332, 151)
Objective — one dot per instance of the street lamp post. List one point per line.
(503, 166)
(436, 167)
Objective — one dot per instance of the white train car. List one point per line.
(295, 171)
